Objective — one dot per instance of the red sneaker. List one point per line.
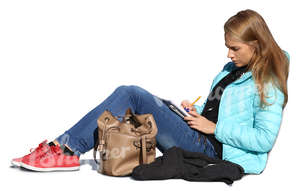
(42, 148)
(53, 160)
(16, 161)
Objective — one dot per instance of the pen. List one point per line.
(196, 100)
(193, 103)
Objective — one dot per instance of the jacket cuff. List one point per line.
(198, 109)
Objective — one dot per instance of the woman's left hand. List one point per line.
(197, 121)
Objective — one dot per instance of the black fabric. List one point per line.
(51, 144)
(67, 151)
(177, 163)
(211, 108)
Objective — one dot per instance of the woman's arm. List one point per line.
(259, 136)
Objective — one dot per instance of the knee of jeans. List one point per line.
(127, 88)
(135, 89)
(131, 89)
(121, 88)
(158, 101)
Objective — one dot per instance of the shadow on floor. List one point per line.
(90, 162)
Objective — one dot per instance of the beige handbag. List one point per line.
(125, 144)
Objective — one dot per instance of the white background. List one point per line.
(59, 59)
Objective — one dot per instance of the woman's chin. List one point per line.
(237, 64)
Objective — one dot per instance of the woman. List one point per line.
(238, 122)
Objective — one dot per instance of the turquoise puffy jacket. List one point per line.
(247, 131)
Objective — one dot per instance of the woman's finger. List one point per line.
(193, 113)
(193, 126)
(184, 103)
(188, 118)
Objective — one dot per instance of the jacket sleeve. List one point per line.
(199, 109)
(259, 136)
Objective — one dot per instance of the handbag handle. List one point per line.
(100, 144)
(144, 154)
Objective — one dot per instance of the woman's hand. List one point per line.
(197, 121)
(186, 104)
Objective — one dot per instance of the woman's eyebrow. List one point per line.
(226, 45)
(230, 46)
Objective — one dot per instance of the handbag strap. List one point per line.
(101, 142)
(143, 145)
(100, 149)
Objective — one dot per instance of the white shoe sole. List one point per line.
(49, 169)
(17, 164)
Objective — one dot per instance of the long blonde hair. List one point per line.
(269, 63)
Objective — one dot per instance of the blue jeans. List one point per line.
(172, 129)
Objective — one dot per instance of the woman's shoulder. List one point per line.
(273, 95)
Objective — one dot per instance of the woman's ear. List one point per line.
(254, 43)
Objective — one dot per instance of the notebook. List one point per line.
(176, 108)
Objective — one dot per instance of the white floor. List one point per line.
(87, 178)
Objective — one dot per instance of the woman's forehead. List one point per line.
(230, 41)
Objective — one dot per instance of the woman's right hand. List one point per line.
(188, 105)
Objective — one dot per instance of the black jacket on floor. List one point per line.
(177, 163)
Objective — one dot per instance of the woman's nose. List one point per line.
(230, 54)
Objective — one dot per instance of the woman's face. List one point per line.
(239, 53)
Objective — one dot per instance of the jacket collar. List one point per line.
(245, 75)
(243, 78)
